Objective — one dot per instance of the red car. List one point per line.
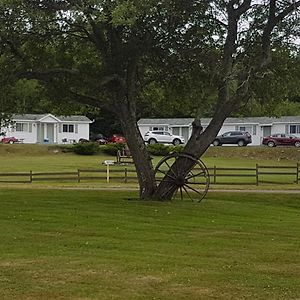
(281, 139)
(116, 138)
(9, 140)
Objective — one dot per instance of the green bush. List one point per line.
(177, 149)
(112, 148)
(163, 150)
(86, 148)
(159, 149)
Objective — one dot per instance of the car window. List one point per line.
(234, 133)
(226, 134)
(166, 133)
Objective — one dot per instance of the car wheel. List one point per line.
(176, 142)
(297, 144)
(241, 143)
(271, 144)
(216, 143)
(152, 141)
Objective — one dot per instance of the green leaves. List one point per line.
(124, 14)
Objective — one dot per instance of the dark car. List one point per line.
(9, 140)
(240, 138)
(99, 138)
(116, 138)
(83, 141)
(281, 139)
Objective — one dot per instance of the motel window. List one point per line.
(294, 129)
(68, 127)
(21, 127)
(160, 128)
(248, 128)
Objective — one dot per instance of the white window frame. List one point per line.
(68, 127)
(297, 129)
(21, 127)
(158, 128)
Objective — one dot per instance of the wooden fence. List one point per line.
(258, 175)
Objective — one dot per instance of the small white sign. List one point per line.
(109, 162)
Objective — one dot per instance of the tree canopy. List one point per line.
(133, 57)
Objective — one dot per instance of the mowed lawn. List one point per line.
(67, 244)
(45, 159)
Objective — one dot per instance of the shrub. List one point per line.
(112, 148)
(86, 148)
(159, 149)
(178, 148)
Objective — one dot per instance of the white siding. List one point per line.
(278, 128)
(25, 136)
(144, 129)
(83, 132)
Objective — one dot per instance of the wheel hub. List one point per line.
(180, 181)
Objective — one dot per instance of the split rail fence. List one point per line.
(250, 176)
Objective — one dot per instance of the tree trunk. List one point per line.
(141, 158)
(196, 147)
(125, 103)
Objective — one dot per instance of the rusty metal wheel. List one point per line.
(193, 184)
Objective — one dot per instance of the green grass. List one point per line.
(107, 245)
(41, 158)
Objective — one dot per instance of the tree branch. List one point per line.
(45, 75)
(272, 22)
(287, 11)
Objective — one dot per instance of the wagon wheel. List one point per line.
(193, 185)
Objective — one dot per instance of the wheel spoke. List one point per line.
(192, 189)
(195, 175)
(181, 196)
(166, 174)
(170, 168)
(176, 164)
(187, 193)
(175, 194)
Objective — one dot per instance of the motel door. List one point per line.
(185, 133)
(50, 133)
(266, 130)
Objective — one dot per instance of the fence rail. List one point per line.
(219, 175)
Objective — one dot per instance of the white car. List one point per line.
(164, 137)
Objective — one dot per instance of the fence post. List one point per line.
(30, 176)
(125, 178)
(215, 174)
(297, 173)
(107, 173)
(256, 171)
(78, 175)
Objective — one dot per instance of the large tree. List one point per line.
(108, 53)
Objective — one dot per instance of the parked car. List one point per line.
(116, 138)
(240, 138)
(165, 137)
(281, 139)
(99, 138)
(82, 140)
(9, 140)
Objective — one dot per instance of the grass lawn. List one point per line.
(43, 158)
(106, 245)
